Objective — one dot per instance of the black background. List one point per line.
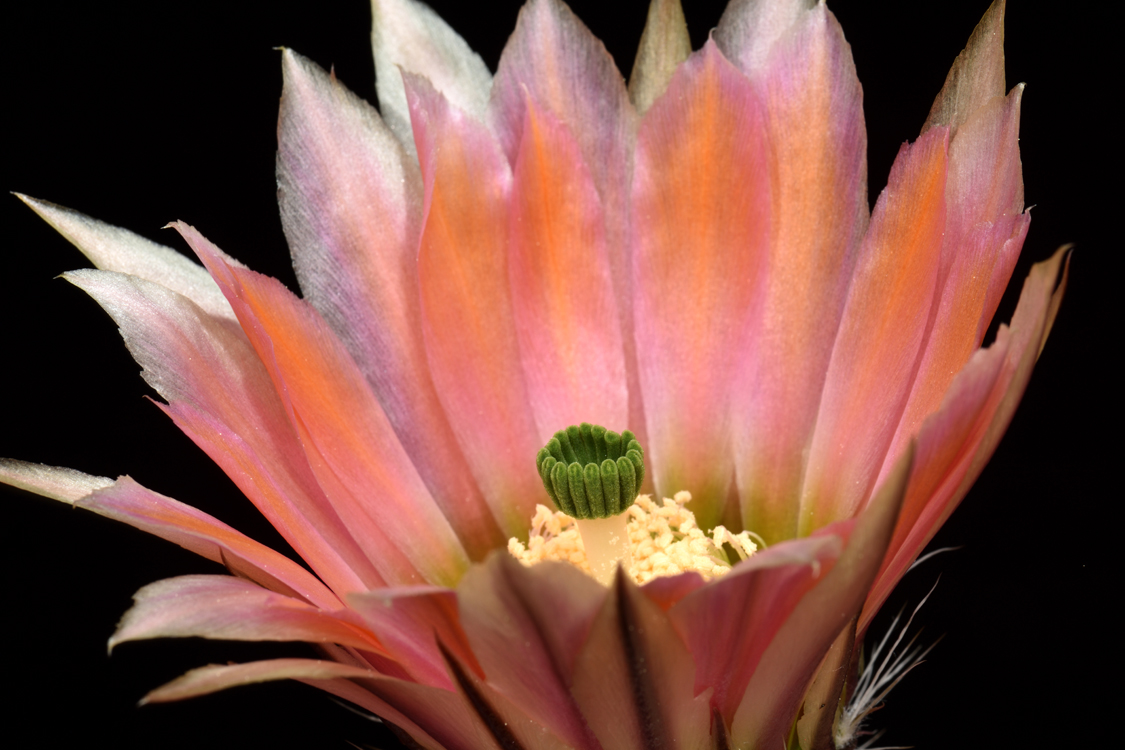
(138, 115)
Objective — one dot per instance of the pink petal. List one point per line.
(562, 293)
(411, 622)
(354, 453)
(351, 205)
(728, 624)
(112, 248)
(221, 396)
(956, 442)
(977, 74)
(634, 678)
(526, 626)
(881, 335)
(467, 318)
(553, 60)
(409, 37)
(227, 608)
(773, 697)
(129, 502)
(814, 110)
(216, 677)
(985, 228)
(701, 208)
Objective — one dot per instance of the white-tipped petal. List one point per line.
(408, 36)
(112, 248)
(748, 29)
(58, 483)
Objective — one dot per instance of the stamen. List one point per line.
(663, 540)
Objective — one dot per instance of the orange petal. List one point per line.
(351, 206)
(957, 441)
(701, 224)
(984, 232)
(562, 294)
(553, 61)
(467, 316)
(818, 175)
(354, 453)
(221, 396)
(881, 335)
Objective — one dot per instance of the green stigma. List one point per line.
(592, 472)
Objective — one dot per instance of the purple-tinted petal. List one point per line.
(634, 678)
(664, 45)
(112, 248)
(977, 74)
(351, 206)
(411, 622)
(474, 717)
(749, 29)
(364, 698)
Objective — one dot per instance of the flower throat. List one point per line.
(593, 476)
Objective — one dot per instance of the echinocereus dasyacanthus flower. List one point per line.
(498, 258)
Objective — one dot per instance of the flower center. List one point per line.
(663, 540)
(593, 475)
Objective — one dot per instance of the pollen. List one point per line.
(663, 537)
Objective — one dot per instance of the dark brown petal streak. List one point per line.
(489, 716)
(637, 661)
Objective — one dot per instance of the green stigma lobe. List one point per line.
(591, 472)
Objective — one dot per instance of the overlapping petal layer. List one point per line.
(485, 261)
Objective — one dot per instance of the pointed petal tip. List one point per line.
(215, 677)
(976, 75)
(54, 482)
(664, 45)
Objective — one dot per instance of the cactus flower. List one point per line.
(688, 263)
